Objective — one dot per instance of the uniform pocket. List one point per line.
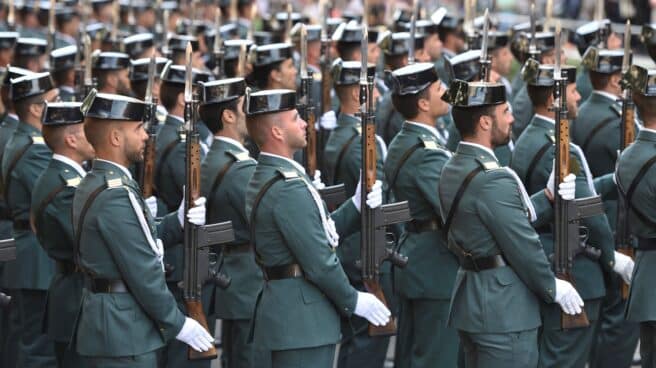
(310, 293)
(505, 278)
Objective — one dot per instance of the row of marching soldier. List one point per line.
(321, 184)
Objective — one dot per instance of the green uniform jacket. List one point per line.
(602, 146)
(52, 205)
(522, 109)
(516, 85)
(492, 219)
(298, 312)
(388, 120)
(66, 93)
(32, 269)
(431, 268)
(226, 202)
(7, 128)
(583, 84)
(587, 273)
(642, 299)
(115, 239)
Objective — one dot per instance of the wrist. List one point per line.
(549, 195)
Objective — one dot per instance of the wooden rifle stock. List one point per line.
(195, 311)
(623, 237)
(310, 150)
(568, 321)
(147, 169)
(373, 286)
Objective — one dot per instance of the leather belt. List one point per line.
(646, 244)
(288, 271)
(22, 225)
(235, 249)
(65, 267)
(106, 286)
(482, 263)
(546, 229)
(421, 226)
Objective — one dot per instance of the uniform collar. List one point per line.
(469, 148)
(68, 89)
(347, 120)
(29, 129)
(606, 95)
(230, 141)
(106, 163)
(428, 128)
(175, 119)
(646, 134)
(543, 121)
(12, 116)
(272, 157)
(70, 162)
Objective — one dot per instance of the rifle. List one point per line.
(197, 239)
(373, 246)
(89, 81)
(532, 45)
(132, 22)
(332, 195)
(146, 171)
(7, 253)
(116, 19)
(288, 23)
(567, 213)
(623, 238)
(484, 60)
(51, 32)
(413, 32)
(217, 47)
(326, 78)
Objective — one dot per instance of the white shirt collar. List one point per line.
(609, 96)
(551, 120)
(479, 146)
(13, 116)
(296, 164)
(178, 118)
(427, 127)
(123, 168)
(653, 131)
(70, 162)
(231, 141)
(67, 88)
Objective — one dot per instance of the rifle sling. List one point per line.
(45, 203)
(534, 163)
(165, 154)
(256, 204)
(634, 185)
(404, 158)
(218, 179)
(340, 157)
(456, 200)
(80, 222)
(594, 132)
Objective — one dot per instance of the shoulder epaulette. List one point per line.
(70, 178)
(488, 163)
(358, 129)
(288, 174)
(239, 156)
(617, 109)
(37, 139)
(551, 137)
(429, 143)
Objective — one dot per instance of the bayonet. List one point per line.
(241, 61)
(116, 16)
(557, 73)
(188, 93)
(51, 32)
(217, 48)
(363, 58)
(233, 12)
(11, 16)
(413, 32)
(626, 58)
(532, 46)
(88, 78)
(151, 79)
(548, 14)
(251, 26)
(484, 61)
(599, 11)
(146, 169)
(288, 23)
(304, 67)
(132, 22)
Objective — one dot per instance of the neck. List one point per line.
(279, 150)
(544, 111)
(72, 154)
(230, 133)
(36, 123)
(348, 108)
(107, 89)
(177, 110)
(612, 91)
(113, 156)
(424, 119)
(649, 123)
(485, 142)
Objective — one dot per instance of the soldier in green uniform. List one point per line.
(635, 177)
(52, 201)
(231, 50)
(111, 69)
(273, 67)
(140, 45)
(30, 54)
(225, 174)
(296, 314)
(138, 75)
(412, 169)
(597, 131)
(25, 157)
(343, 161)
(244, 14)
(62, 69)
(533, 162)
(7, 43)
(452, 37)
(176, 50)
(126, 313)
(503, 269)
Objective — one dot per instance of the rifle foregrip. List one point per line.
(373, 286)
(629, 127)
(568, 321)
(195, 311)
(149, 168)
(564, 150)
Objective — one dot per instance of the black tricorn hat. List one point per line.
(374, 33)
(136, 44)
(265, 38)
(495, 40)
(196, 27)
(471, 94)
(603, 61)
(62, 113)
(424, 27)
(176, 74)
(520, 44)
(269, 54)
(63, 58)
(31, 85)
(313, 32)
(350, 32)
(13, 72)
(412, 79)
(110, 60)
(649, 39)
(99, 3)
(401, 16)
(228, 31)
(109, 106)
(179, 42)
(393, 44)
(232, 48)
(8, 39)
(590, 34)
(346, 73)
(29, 46)
(96, 30)
(641, 80)
(139, 68)
(224, 90)
(465, 66)
(542, 75)
(269, 101)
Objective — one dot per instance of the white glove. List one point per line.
(196, 214)
(151, 203)
(317, 182)
(372, 309)
(569, 299)
(194, 335)
(624, 267)
(328, 121)
(566, 189)
(374, 198)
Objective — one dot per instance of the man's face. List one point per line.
(573, 98)
(502, 61)
(6, 56)
(373, 52)
(501, 125)
(433, 46)
(288, 74)
(294, 129)
(549, 57)
(614, 41)
(421, 56)
(134, 140)
(241, 118)
(196, 60)
(123, 86)
(438, 107)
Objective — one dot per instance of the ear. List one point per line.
(277, 132)
(115, 137)
(70, 140)
(355, 94)
(485, 122)
(423, 104)
(275, 75)
(181, 101)
(36, 110)
(228, 116)
(615, 80)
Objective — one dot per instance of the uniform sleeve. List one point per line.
(305, 238)
(502, 211)
(136, 262)
(427, 176)
(605, 186)
(60, 211)
(169, 230)
(32, 165)
(543, 209)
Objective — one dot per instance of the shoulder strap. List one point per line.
(404, 158)
(456, 201)
(596, 130)
(42, 206)
(340, 157)
(256, 204)
(217, 182)
(634, 185)
(534, 162)
(12, 165)
(80, 221)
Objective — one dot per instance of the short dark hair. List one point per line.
(394, 61)
(600, 81)
(168, 94)
(230, 68)
(259, 78)
(646, 105)
(22, 61)
(466, 118)
(22, 107)
(346, 50)
(60, 76)
(101, 77)
(407, 105)
(539, 95)
(139, 88)
(212, 114)
(343, 92)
